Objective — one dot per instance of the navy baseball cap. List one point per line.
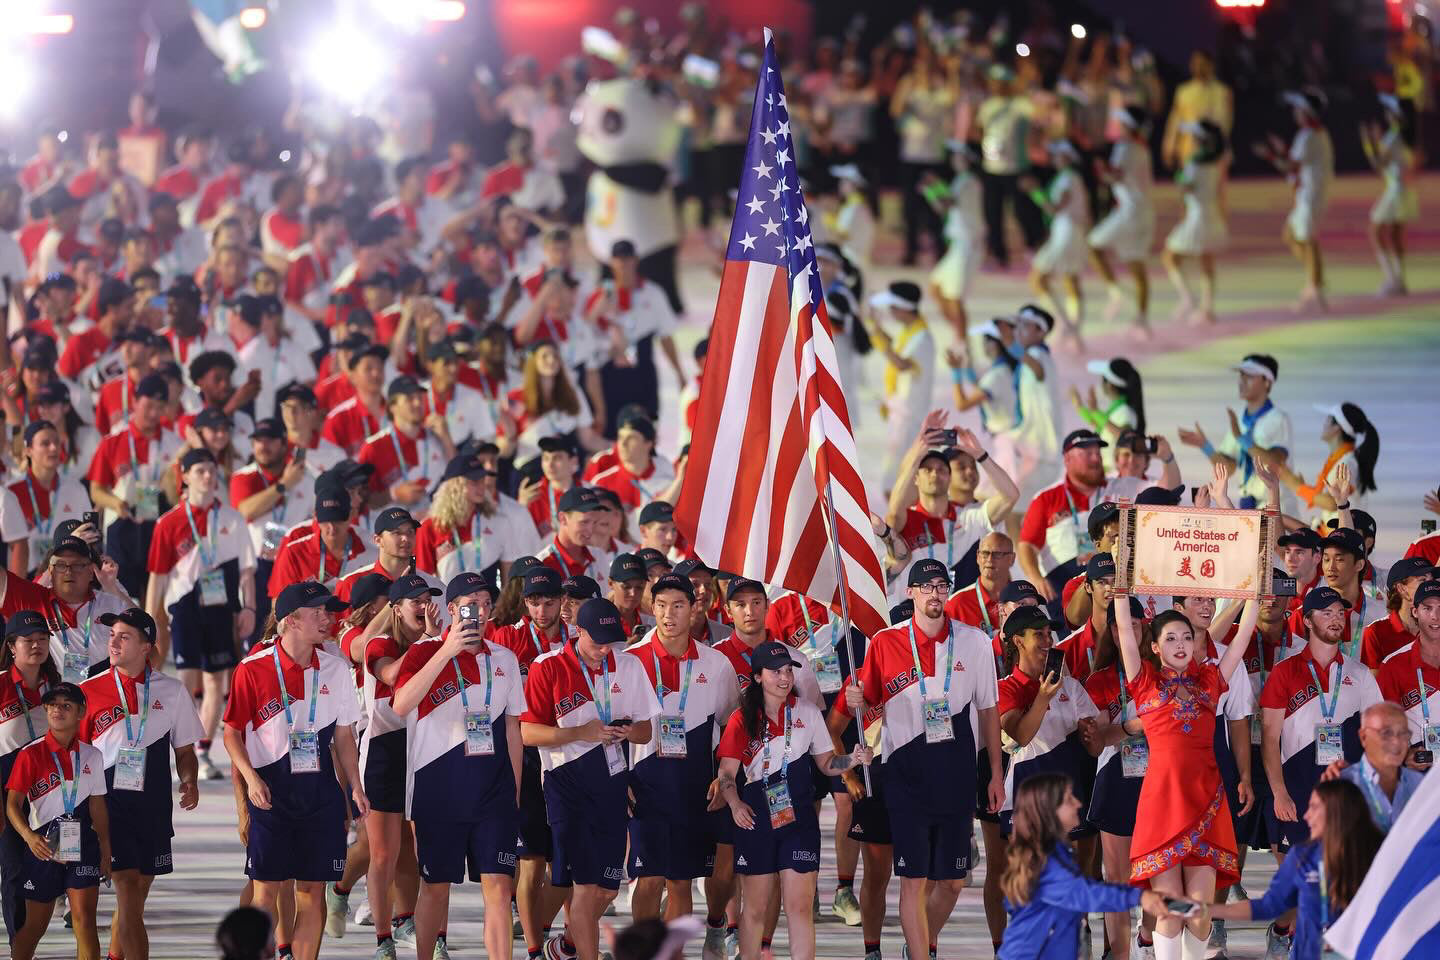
(1408, 567)
(1017, 590)
(331, 505)
(693, 565)
(1429, 590)
(1160, 496)
(771, 655)
(1082, 438)
(925, 570)
(1101, 514)
(295, 391)
(580, 588)
(465, 465)
(627, 566)
(1363, 521)
(601, 619)
(393, 518)
(672, 581)
(1302, 537)
(368, 588)
(557, 445)
(269, 428)
(657, 512)
(1100, 565)
(741, 584)
(403, 384)
(306, 594)
(152, 385)
(348, 473)
(578, 499)
(134, 617)
(192, 457)
(541, 581)
(1321, 597)
(466, 583)
(1027, 618)
(521, 566)
(652, 558)
(215, 418)
(24, 623)
(64, 691)
(902, 611)
(65, 544)
(1348, 540)
(412, 586)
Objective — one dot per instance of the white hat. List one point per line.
(1131, 116)
(848, 171)
(1258, 365)
(987, 329)
(1033, 314)
(1391, 104)
(1063, 146)
(1311, 100)
(1337, 412)
(1102, 369)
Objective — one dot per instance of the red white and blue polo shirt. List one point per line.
(525, 641)
(441, 782)
(1399, 681)
(737, 651)
(22, 719)
(35, 776)
(225, 545)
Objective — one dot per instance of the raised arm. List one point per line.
(1125, 637)
(998, 506)
(1235, 653)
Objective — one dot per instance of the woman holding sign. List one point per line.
(1184, 841)
(770, 736)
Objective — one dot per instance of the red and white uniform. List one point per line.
(476, 545)
(580, 563)
(466, 411)
(974, 606)
(946, 538)
(1399, 681)
(1379, 640)
(114, 468)
(350, 424)
(635, 490)
(29, 510)
(280, 234)
(34, 775)
(1055, 522)
(302, 556)
(1428, 547)
(398, 457)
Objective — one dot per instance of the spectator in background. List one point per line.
(923, 107)
(844, 118)
(1003, 127)
(1202, 97)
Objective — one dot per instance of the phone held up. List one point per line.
(1054, 662)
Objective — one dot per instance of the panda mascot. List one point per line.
(629, 131)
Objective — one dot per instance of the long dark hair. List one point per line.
(48, 672)
(1131, 391)
(1367, 451)
(1037, 831)
(752, 708)
(1003, 354)
(1350, 840)
(511, 606)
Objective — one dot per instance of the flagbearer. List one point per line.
(137, 717)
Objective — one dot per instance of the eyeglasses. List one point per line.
(1390, 733)
(938, 588)
(69, 567)
(993, 554)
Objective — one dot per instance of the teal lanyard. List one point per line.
(65, 630)
(784, 756)
(1424, 697)
(949, 545)
(604, 713)
(207, 560)
(285, 694)
(476, 542)
(809, 624)
(135, 461)
(1357, 632)
(1119, 672)
(460, 679)
(1372, 796)
(1327, 712)
(42, 524)
(74, 782)
(984, 613)
(25, 706)
(949, 662)
(422, 451)
(1073, 515)
(660, 682)
(130, 736)
(535, 639)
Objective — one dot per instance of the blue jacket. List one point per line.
(1296, 886)
(1048, 927)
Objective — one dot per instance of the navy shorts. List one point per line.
(444, 849)
(384, 772)
(721, 826)
(935, 847)
(534, 837)
(588, 853)
(870, 822)
(43, 881)
(203, 638)
(764, 850)
(136, 844)
(672, 848)
(982, 784)
(308, 850)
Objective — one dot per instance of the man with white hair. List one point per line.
(1381, 774)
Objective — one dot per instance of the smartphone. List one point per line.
(1152, 445)
(411, 568)
(299, 455)
(1054, 661)
(1185, 908)
(1427, 526)
(1423, 756)
(946, 438)
(91, 517)
(1284, 586)
(468, 614)
(621, 722)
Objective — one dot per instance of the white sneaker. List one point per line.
(362, 914)
(442, 952)
(1215, 946)
(714, 948)
(555, 948)
(336, 907)
(1143, 951)
(1277, 946)
(846, 907)
(386, 950)
(404, 932)
(732, 943)
(208, 770)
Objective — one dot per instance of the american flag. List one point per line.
(772, 439)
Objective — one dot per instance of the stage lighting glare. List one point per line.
(347, 64)
(1077, 30)
(253, 18)
(1022, 49)
(284, 156)
(15, 80)
(445, 11)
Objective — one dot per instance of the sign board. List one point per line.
(1195, 552)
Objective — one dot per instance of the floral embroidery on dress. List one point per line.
(1190, 845)
(1185, 711)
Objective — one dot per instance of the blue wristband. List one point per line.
(957, 375)
(1209, 448)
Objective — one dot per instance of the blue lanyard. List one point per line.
(1247, 428)
(68, 798)
(604, 714)
(281, 506)
(130, 735)
(285, 694)
(65, 631)
(207, 560)
(535, 639)
(949, 661)
(984, 613)
(1327, 712)
(24, 706)
(784, 756)
(135, 462)
(476, 542)
(1424, 698)
(660, 682)
(460, 678)
(949, 545)
(42, 524)
(422, 450)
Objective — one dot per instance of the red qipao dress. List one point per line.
(1183, 818)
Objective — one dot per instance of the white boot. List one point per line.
(1191, 946)
(1168, 948)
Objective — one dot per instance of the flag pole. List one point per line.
(844, 585)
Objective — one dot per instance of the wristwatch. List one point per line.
(280, 487)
